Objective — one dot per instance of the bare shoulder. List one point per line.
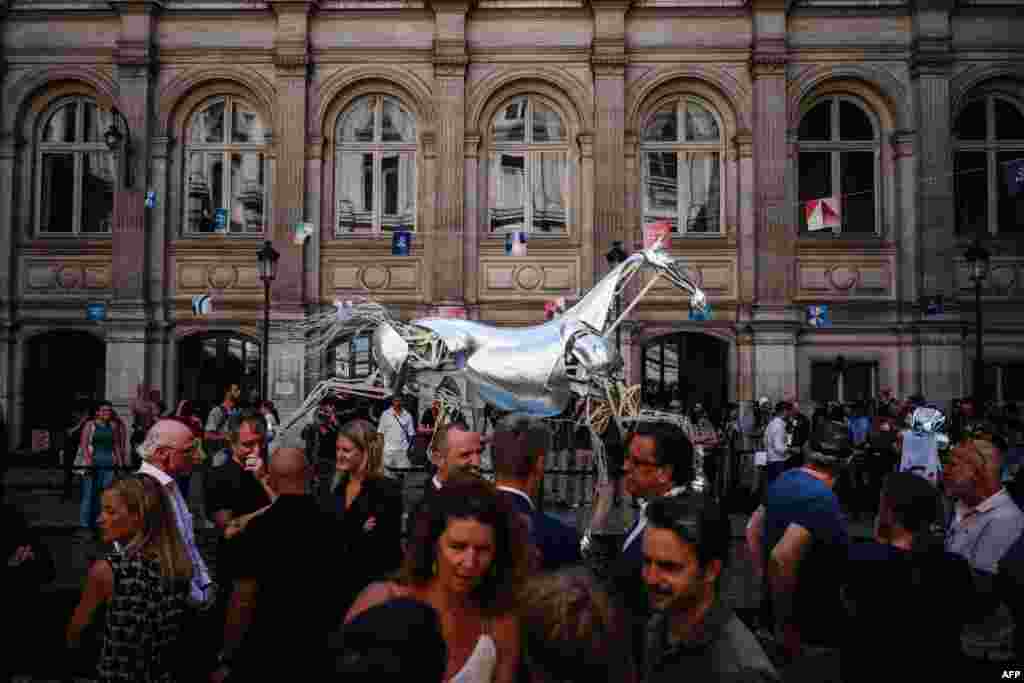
(506, 627)
(375, 594)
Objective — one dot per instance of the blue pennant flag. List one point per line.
(1015, 176)
(401, 243)
(817, 316)
(700, 316)
(934, 305)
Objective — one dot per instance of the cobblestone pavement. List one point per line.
(38, 494)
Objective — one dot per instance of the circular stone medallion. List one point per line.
(528, 277)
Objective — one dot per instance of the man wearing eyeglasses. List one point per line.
(692, 634)
(658, 462)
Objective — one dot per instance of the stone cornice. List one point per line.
(450, 58)
(293, 6)
(137, 6)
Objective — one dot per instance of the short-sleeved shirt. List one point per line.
(983, 534)
(796, 497)
(217, 421)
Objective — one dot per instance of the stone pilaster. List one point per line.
(450, 62)
(608, 61)
(314, 183)
(291, 59)
(930, 75)
(746, 237)
(588, 249)
(774, 360)
(9, 148)
(776, 236)
(471, 245)
(908, 282)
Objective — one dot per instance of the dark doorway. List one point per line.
(684, 368)
(207, 363)
(62, 368)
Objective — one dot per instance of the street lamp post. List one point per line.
(266, 260)
(977, 261)
(113, 137)
(615, 256)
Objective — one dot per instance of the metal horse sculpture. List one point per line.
(535, 371)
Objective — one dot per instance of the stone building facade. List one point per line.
(363, 117)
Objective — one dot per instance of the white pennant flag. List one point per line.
(823, 213)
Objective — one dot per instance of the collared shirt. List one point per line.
(183, 519)
(983, 534)
(721, 649)
(398, 430)
(641, 521)
(519, 493)
(775, 440)
(437, 483)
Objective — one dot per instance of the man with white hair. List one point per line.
(170, 451)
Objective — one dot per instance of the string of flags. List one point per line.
(301, 232)
(823, 213)
(515, 243)
(202, 304)
(401, 243)
(554, 308)
(818, 316)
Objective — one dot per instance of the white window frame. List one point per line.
(378, 148)
(991, 146)
(530, 151)
(226, 149)
(836, 147)
(683, 148)
(78, 150)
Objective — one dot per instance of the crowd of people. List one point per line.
(325, 569)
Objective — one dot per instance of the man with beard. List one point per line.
(692, 634)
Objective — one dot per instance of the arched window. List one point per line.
(75, 171)
(681, 148)
(226, 169)
(838, 158)
(989, 134)
(375, 168)
(527, 179)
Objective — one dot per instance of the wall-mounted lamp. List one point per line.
(118, 142)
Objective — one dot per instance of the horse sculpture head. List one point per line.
(657, 258)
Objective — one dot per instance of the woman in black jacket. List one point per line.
(368, 507)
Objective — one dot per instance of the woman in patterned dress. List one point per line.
(144, 586)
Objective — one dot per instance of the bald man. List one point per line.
(285, 598)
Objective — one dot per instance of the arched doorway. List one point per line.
(207, 363)
(684, 368)
(62, 368)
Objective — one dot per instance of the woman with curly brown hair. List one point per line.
(467, 558)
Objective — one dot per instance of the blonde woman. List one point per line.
(144, 587)
(368, 507)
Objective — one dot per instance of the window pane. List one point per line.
(509, 122)
(98, 174)
(57, 190)
(507, 191)
(971, 181)
(355, 192)
(200, 202)
(1011, 208)
(208, 124)
(663, 126)
(1009, 122)
(547, 124)
(398, 184)
(549, 191)
(857, 382)
(397, 125)
(215, 177)
(661, 188)
(817, 123)
(700, 123)
(972, 123)
(823, 383)
(854, 123)
(815, 179)
(857, 207)
(246, 125)
(357, 123)
(61, 126)
(97, 121)
(1013, 382)
(670, 370)
(700, 191)
(247, 192)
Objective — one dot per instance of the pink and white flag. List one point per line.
(822, 213)
(654, 231)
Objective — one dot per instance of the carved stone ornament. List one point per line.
(844, 277)
(375, 277)
(529, 277)
(69, 277)
(222, 277)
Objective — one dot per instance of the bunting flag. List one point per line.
(817, 316)
(554, 308)
(150, 199)
(1015, 176)
(934, 305)
(401, 243)
(701, 316)
(822, 213)
(662, 230)
(202, 304)
(301, 232)
(515, 243)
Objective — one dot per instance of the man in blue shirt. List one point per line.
(799, 539)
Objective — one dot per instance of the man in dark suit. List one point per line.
(518, 450)
(658, 462)
(456, 448)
